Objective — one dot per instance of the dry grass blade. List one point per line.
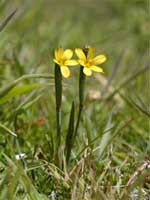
(5, 22)
(93, 141)
(135, 105)
(113, 71)
(144, 111)
(128, 80)
(135, 176)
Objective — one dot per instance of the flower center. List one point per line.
(89, 63)
(62, 61)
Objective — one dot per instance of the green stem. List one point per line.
(81, 99)
(58, 95)
(81, 91)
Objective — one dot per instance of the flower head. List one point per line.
(63, 59)
(88, 62)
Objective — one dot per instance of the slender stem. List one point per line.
(81, 98)
(58, 95)
(58, 116)
(78, 120)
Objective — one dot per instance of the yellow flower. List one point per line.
(88, 61)
(62, 58)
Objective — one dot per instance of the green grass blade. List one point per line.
(22, 177)
(11, 85)
(18, 90)
(7, 130)
(106, 136)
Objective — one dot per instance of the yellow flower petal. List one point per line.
(90, 53)
(87, 71)
(65, 71)
(60, 52)
(56, 61)
(82, 63)
(96, 69)
(99, 59)
(67, 54)
(71, 62)
(79, 52)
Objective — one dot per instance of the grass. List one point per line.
(110, 157)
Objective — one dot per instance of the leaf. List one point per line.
(69, 138)
(18, 90)
(11, 85)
